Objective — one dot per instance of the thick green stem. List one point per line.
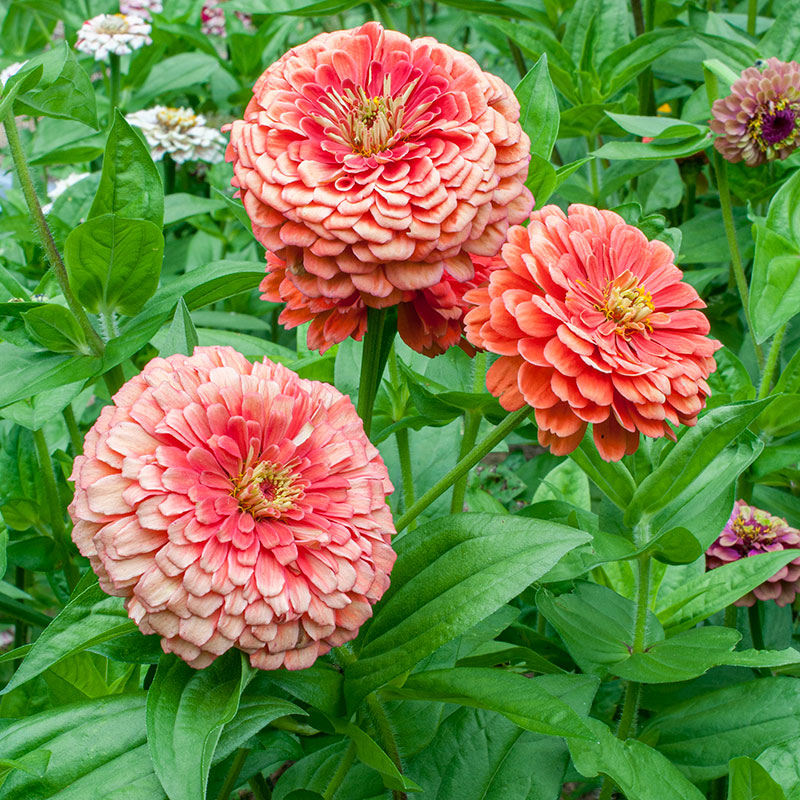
(773, 357)
(341, 771)
(519, 59)
(114, 378)
(399, 400)
(466, 464)
(593, 172)
(752, 13)
(633, 690)
(114, 84)
(259, 787)
(233, 773)
(371, 366)
(638, 17)
(169, 174)
(721, 170)
(386, 737)
(45, 235)
(731, 616)
(755, 627)
(20, 628)
(53, 501)
(75, 438)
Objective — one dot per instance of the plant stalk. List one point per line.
(75, 438)
(371, 366)
(386, 737)
(773, 357)
(466, 464)
(229, 784)
(114, 86)
(401, 435)
(259, 787)
(341, 771)
(752, 13)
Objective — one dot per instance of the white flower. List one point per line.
(113, 33)
(11, 69)
(141, 8)
(59, 186)
(212, 19)
(179, 132)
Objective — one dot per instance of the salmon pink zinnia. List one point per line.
(373, 164)
(235, 505)
(593, 324)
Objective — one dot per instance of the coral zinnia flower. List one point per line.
(377, 164)
(751, 531)
(428, 320)
(235, 505)
(592, 324)
(760, 119)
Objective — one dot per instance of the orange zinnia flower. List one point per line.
(593, 324)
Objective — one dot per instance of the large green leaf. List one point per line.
(177, 73)
(703, 734)
(186, 711)
(782, 762)
(748, 780)
(539, 115)
(90, 617)
(703, 595)
(450, 574)
(130, 185)
(114, 263)
(611, 477)
(523, 700)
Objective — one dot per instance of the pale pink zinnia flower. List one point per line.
(141, 8)
(760, 119)
(376, 164)
(751, 531)
(593, 325)
(235, 505)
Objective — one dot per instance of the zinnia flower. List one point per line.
(428, 320)
(760, 119)
(235, 505)
(751, 531)
(593, 324)
(179, 132)
(212, 18)
(119, 34)
(141, 8)
(376, 164)
(10, 71)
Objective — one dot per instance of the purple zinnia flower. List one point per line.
(760, 119)
(751, 531)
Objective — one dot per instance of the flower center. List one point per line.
(176, 118)
(268, 489)
(774, 124)
(113, 24)
(627, 304)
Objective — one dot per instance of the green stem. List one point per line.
(259, 787)
(45, 235)
(590, 146)
(638, 17)
(169, 174)
(75, 438)
(114, 84)
(54, 503)
(721, 170)
(752, 13)
(633, 690)
(519, 59)
(466, 464)
(472, 422)
(229, 784)
(731, 616)
(386, 736)
(20, 628)
(341, 771)
(371, 366)
(755, 627)
(772, 362)
(399, 399)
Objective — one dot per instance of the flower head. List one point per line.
(119, 34)
(377, 164)
(179, 132)
(593, 324)
(141, 8)
(235, 505)
(10, 71)
(212, 18)
(760, 119)
(428, 320)
(751, 531)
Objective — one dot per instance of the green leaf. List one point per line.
(181, 335)
(90, 617)
(701, 735)
(731, 382)
(653, 150)
(748, 780)
(782, 762)
(594, 29)
(181, 206)
(450, 574)
(114, 263)
(782, 38)
(520, 699)
(596, 624)
(130, 185)
(176, 74)
(55, 328)
(33, 764)
(690, 457)
(186, 710)
(789, 380)
(657, 127)
(703, 595)
(566, 482)
(97, 749)
(319, 685)
(641, 772)
(611, 477)
(542, 179)
(539, 114)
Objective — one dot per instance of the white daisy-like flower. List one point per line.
(11, 69)
(179, 132)
(119, 34)
(141, 8)
(59, 186)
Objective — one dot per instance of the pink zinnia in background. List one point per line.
(760, 119)
(751, 531)
(373, 164)
(428, 320)
(235, 505)
(593, 325)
